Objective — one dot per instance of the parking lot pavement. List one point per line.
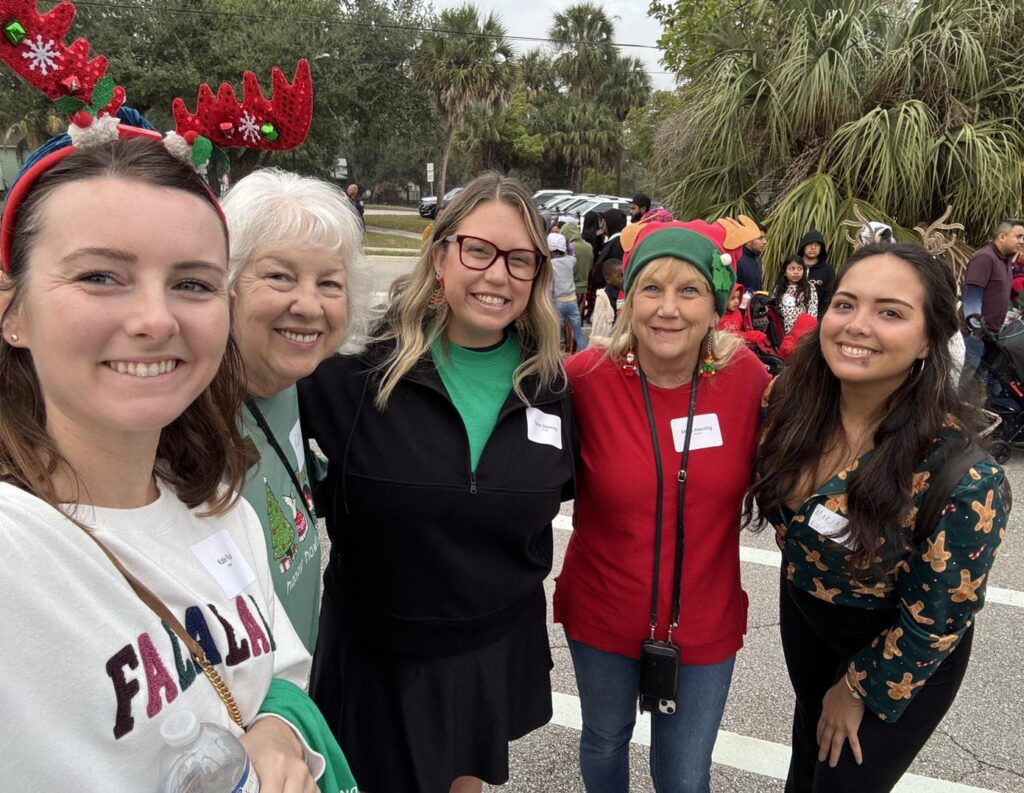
(979, 747)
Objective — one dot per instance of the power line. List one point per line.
(343, 23)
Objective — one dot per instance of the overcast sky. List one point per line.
(533, 18)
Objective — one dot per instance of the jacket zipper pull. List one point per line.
(472, 483)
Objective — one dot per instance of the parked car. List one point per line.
(543, 196)
(579, 212)
(428, 205)
(554, 209)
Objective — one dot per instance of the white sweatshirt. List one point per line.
(88, 672)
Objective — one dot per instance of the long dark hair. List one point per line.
(803, 287)
(201, 450)
(803, 417)
(589, 231)
(614, 221)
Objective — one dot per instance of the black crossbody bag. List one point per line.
(659, 660)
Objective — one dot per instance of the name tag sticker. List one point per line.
(542, 427)
(830, 524)
(706, 432)
(295, 436)
(220, 555)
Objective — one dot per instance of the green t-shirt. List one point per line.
(293, 546)
(478, 382)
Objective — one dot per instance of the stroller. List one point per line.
(762, 315)
(1004, 360)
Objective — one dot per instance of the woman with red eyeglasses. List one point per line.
(450, 445)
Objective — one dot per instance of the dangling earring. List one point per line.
(438, 297)
(918, 370)
(707, 369)
(629, 367)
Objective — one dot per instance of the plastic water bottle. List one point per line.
(203, 758)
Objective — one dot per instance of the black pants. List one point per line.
(818, 640)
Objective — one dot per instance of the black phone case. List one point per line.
(659, 670)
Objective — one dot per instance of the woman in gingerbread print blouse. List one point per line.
(876, 626)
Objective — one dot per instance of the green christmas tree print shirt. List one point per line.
(288, 517)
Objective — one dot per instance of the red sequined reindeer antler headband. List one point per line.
(32, 45)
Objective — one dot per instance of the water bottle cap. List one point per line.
(180, 728)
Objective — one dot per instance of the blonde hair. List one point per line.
(723, 343)
(414, 325)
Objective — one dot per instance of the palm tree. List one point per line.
(468, 64)
(627, 87)
(582, 37)
(896, 109)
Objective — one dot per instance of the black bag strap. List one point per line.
(261, 421)
(940, 488)
(677, 573)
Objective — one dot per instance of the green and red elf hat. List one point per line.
(32, 45)
(711, 248)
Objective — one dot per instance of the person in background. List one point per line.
(749, 270)
(612, 223)
(732, 319)
(606, 306)
(120, 467)
(450, 444)
(630, 400)
(357, 201)
(564, 288)
(638, 207)
(794, 294)
(986, 290)
(814, 256)
(296, 272)
(584, 253)
(877, 613)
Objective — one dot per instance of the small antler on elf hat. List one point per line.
(32, 44)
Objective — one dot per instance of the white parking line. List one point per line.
(747, 754)
(993, 594)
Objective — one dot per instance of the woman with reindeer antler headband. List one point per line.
(133, 570)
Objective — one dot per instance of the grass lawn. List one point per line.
(400, 222)
(409, 207)
(379, 252)
(375, 239)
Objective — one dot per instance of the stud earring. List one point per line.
(14, 337)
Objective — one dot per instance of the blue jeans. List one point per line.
(571, 311)
(681, 744)
(975, 369)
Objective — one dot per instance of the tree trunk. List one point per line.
(618, 172)
(444, 168)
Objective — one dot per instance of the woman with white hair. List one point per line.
(295, 260)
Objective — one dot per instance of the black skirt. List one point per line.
(412, 724)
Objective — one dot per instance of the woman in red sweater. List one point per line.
(666, 371)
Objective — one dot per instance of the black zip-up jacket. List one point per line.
(821, 275)
(427, 556)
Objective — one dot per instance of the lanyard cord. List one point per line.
(677, 576)
(261, 421)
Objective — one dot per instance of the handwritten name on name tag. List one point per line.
(220, 555)
(829, 524)
(544, 427)
(706, 432)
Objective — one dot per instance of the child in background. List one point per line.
(794, 293)
(606, 302)
(732, 320)
(564, 287)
